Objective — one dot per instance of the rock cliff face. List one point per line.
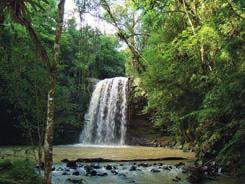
(140, 129)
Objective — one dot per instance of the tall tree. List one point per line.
(52, 69)
(19, 11)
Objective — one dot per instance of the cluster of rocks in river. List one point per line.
(196, 173)
(122, 170)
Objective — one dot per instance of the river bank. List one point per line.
(73, 152)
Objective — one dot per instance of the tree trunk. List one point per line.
(49, 134)
(204, 63)
(2, 6)
(20, 18)
(48, 140)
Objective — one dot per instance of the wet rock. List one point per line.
(71, 164)
(91, 173)
(179, 164)
(88, 168)
(143, 164)
(60, 169)
(53, 168)
(114, 172)
(160, 164)
(65, 173)
(122, 175)
(76, 173)
(75, 180)
(65, 160)
(166, 167)
(108, 167)
(133, 168)
(121, 164)
(132, 181)
(154, 170)
(102, 174)
(96, 166)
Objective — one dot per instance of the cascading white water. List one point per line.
(105, 122)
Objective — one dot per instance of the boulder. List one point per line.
(75, 180)
(108, 167)
(65, 173)
(133, 168)
(122, 175)
(65, 160)
(60, 169)
(93, 173)
(143, 165)
(154, 170)
(76, 173)
(179, 164)
(160, 164)
(71, 164)
(114, 172)
(102, 174)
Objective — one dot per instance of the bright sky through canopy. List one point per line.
(70, 11)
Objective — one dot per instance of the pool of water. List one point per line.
(95, 146)
(73, 152)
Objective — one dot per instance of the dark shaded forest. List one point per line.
(85, 53)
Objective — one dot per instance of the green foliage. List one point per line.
(23, 78)
(19, 171)
(197, 97)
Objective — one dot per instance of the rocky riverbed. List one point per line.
(121, 172)
(151, 172)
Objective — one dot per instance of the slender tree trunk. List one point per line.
(204, 63)
(2, 18)
(20, 17)
(48, 139)
(49, 134)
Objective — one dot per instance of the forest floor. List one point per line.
(113, 153)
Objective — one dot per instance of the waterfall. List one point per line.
(105, 122)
